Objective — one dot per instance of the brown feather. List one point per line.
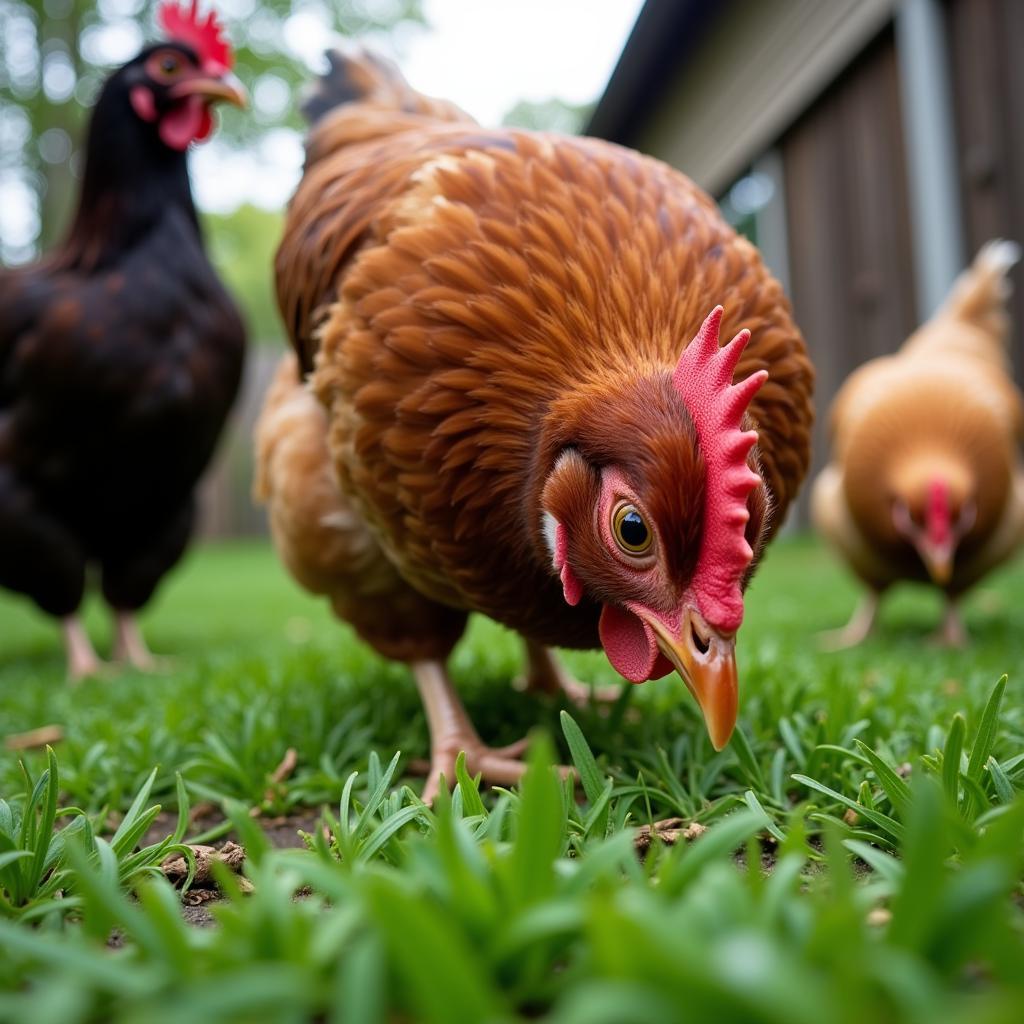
(475, 301)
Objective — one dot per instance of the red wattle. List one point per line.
(630, 645)
(662, 667)
(183, 123)
(205, 126)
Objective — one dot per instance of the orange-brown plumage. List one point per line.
(473, 304)
(926, 480)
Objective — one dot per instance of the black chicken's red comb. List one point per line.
(204, 36)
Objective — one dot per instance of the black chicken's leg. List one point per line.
(41, 559)
(131, 573)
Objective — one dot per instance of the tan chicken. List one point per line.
(926, 481)
(515, 401)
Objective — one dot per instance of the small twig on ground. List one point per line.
(231, 855)
(286, 767)
(277, 777)
(45, 734)
(668, 831)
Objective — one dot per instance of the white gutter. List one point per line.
(929, 134)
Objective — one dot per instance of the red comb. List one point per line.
(186, 26)
(703, 379)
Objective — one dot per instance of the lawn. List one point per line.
(862, 860)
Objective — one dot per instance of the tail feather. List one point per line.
(359, 76)
(979, 294)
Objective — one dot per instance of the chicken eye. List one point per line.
(630, 530)
(165, 66)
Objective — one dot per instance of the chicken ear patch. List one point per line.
(572, 589)
(143, 103)
(703, 379)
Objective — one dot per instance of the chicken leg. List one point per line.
(82, 658)
(130, 645)
(546, 674)
(952, 633)
(858, 629)
(451, 732)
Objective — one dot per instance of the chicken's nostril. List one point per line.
(699, 642)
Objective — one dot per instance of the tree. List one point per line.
(242, 246)
(553, 115)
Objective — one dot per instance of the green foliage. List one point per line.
(533, 903)
(976, 786)
(242, 245)
(553, 115)
(488, 916)
(37, 876)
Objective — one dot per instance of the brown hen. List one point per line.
(493, 418)
(926, 481)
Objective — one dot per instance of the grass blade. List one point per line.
(894, 787)
(583, 758)
(951, 758)
(748, 763)
(1000, 783)
(469, 788)
(986, 737)
(883, 821)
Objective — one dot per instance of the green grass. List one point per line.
(533, 905)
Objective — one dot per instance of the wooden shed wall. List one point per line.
(850, 258)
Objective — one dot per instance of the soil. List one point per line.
(281, 832)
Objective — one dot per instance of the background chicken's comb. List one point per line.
(204, 36)
(937, 517)
(703, 379)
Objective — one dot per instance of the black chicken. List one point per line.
(120, 353)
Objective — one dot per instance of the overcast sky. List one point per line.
(485, 55)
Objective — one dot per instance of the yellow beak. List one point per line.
(706, 660)
(938, 560)
(225, 87)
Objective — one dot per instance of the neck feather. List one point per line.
(131, 182)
